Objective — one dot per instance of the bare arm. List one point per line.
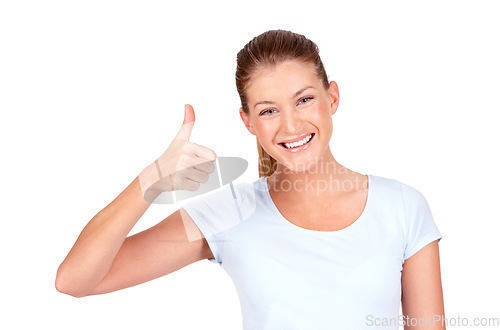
(92, 254)
(104, 259)
(152, 253)
(422, 295)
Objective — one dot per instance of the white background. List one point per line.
(93, 91)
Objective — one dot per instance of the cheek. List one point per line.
(325, 109)
(324, 118)
(320, 114)
(265, 131)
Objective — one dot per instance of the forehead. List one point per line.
(283, 78)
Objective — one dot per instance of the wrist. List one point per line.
(148, 177)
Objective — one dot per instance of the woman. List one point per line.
(309, 245)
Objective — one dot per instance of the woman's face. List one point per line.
(288, 103)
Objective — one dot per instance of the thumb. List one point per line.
(187, 125)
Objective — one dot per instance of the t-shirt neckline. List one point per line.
(289, 224)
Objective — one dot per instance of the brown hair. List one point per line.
(269, 49)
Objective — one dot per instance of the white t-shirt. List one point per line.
(289, 277)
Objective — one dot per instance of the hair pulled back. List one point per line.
(269, 49)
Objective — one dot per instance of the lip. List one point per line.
(297, 139)
(302, 147)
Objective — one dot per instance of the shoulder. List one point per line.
(384, 182)
(407, 199)
(386, 188)
(412, 197)
(398, 189)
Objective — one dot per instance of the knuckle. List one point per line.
(184, 161)
(196, 186)
(184, 147)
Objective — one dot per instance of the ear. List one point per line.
(333, 92)
(246, 121)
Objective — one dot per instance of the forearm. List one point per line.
(93, 253)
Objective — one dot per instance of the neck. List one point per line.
(326, 177)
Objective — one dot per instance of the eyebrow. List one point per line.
(297, 93)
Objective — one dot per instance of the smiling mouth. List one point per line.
(301, 143)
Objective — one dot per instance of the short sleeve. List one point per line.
(214, 214)
(420, 228)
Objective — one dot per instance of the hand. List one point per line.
(183, 166)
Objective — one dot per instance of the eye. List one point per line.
(305, 98)
(266, 112)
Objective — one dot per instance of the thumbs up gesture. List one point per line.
(183, 166)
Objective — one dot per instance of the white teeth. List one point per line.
(298, 143)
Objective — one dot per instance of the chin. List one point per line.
(297, 165)
(300, 163)
(301, 167)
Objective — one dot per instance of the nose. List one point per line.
(291, 122)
